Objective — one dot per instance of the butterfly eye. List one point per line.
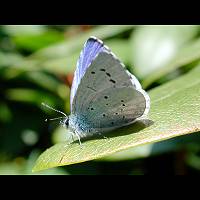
(67, 122)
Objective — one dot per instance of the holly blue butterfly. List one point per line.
(104, 95)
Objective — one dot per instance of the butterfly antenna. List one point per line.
(53, 109)
(54, 119)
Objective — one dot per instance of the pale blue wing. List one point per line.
(120, 107)
(107, 79)
(138, 87)
(91, 49)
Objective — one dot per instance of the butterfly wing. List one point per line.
(91, 49)
(106, 89)
(114, 107)
(137, 86)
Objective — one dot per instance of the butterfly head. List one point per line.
(65, 122)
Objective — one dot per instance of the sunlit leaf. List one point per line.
(153, 47)
(21, 30)
(30, 162)
(175, 111)
(33, 43)
(10, 59)
(75, 43)
(154, 149)
(185, 56)
(30, 96)
(67, 64)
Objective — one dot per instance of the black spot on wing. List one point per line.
(108, 74)
(113, 81)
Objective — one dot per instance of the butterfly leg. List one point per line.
(79, 139)
(72, 137)
(102, 135)
(99, 133)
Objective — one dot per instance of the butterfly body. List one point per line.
(79, 126)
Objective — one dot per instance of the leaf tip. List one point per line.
(35, 169)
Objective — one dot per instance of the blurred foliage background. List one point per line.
(37, 65)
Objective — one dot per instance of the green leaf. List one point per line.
(30, 162)
(154, 149)
(62, 66)
(5, 114)
(185, 56)
(7, 59)
(30, 96)
(153, 47)
(46, 81)
(36, 42)
(122, 49)
(61, 58)
(192, 157)
(21, 30)
(175, 111)
(74, 44)
(60, 134)
(20, 166)
(67, 64)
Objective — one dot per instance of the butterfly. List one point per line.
(104, 95)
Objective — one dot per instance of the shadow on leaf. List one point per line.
(126, 130)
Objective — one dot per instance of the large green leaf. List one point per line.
(20, 166)
(175, 111)
(154, 149)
